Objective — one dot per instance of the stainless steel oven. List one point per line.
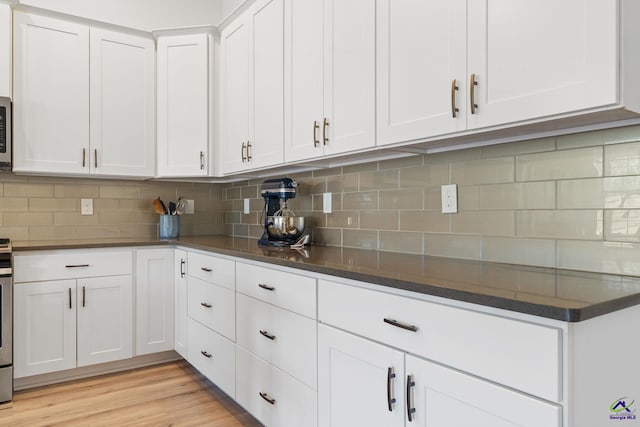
(6, 317)
(5, 134)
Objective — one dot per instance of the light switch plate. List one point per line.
(246, 206)
(326, 203)
(189, 206)
(86, 206)
(450, 198)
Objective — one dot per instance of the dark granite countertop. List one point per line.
(565, 295)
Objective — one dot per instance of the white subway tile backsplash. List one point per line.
(567, 224)
(526, 195)
(453, 246)
(537, 252)
(567, 164)
(622, 159)
(605, 257)
(607, 193)
(483, 171)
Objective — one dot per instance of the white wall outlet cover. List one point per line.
(86, 206)
(246, 206)
(189, 207)
(326, 203)
(449, 198)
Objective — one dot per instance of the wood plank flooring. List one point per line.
(170, 394)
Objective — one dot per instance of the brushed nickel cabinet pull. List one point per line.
(208, 270)
(472, 93)
(202, 160)
(95, 158)
(76, 265)
(248, 151)
(390, 398)
(182, 264)
(325, 138)
(205, 304)
(70, 307)
(410, 408)
(244, 158)
(266, 397)
(454, 109)
(316, 126)
(205, 354)
(84, 155)
(267, 287)
(401, 325)
(84, 296)
(267, 335)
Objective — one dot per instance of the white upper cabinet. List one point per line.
(6, 46)
(421, 67)
(183, 105)
(82, 113)
(122, 104)
(51, 99)
(539, 58)
(330, 75)
(252, 113)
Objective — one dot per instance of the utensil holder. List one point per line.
(169, 226)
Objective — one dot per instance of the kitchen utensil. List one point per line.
(159, 207)
(180, 206)
(172, 208)
(164, 207)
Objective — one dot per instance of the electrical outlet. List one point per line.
(86, 206)
(450, 198)
(246, 206)
(189, 206)
(326, 203)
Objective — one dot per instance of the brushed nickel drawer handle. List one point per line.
(316, 126)
(206, 354)
(206, 304)
(76, 265)
(84, 155)
(267, 335)
(208, 270)
(70, 306)
(249, 151)
(325, 137)
(472, 93)
(202, 160)
(410, 408)
(267, 287)
(266, 397)
(95, 158)
(244, 158)
(401, 325)
(84, 296)
(454, 109)
(182, 264)
(390, 398)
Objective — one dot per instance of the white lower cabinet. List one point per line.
(361, 382)
(213, 306)
(52, 317)
(180, 276)
(155, 304)
(212, 355)
(272, 396)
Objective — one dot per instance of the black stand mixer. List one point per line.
(281, 226)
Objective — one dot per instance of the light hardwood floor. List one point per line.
(171, 394)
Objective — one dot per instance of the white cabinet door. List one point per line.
(6, 47)
(155, 290)
(421, 65)
(266, 83)
(349, 75)
(122, 104)
(536, 59)
(354, 385)
(105, 319)
(443, 397)
(51, 95)
(304, 76)
(45, 327)
(183, 105)
(234, 112)
(180, 277)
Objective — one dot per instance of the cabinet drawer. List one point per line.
(282, 338)
(212, 269)
(287, 290)
(213, 306)
(521, 355)
(37, 266)
(212, 355)
(292, 403)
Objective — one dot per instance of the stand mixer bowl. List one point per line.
(286, 228)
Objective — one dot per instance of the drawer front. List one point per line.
(282, 338)
(212, 269)
(213, 306)
(521, 355)
(292, 403)
(72, 264)
(212, 355)
(287, 290)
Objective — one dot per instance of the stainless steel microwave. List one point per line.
(5, 134)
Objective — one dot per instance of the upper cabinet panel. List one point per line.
(51, 100)
(183, 105)
(6, 46)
